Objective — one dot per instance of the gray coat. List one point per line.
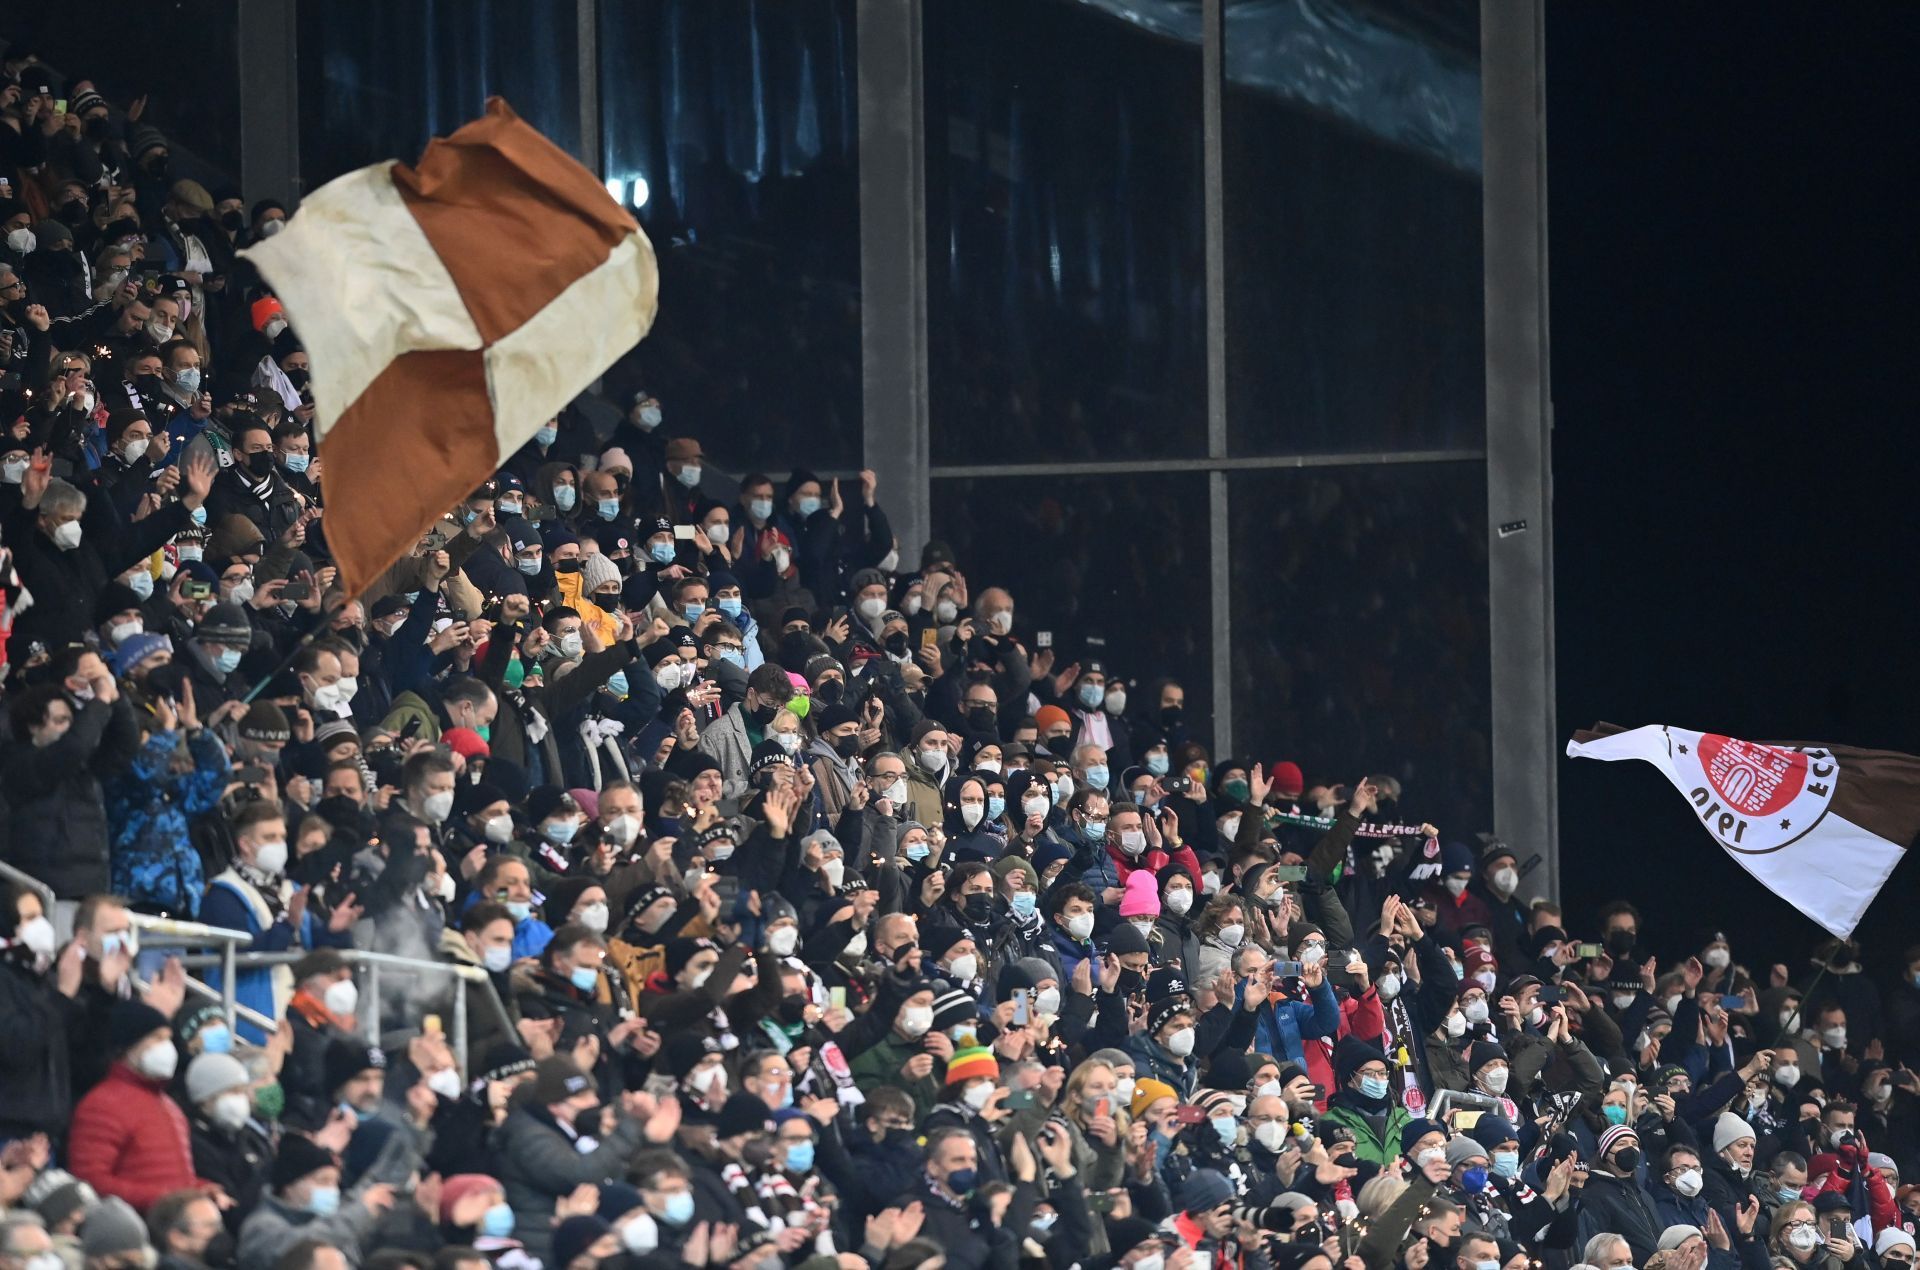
(539, 1164)
(725, 742)
(274, 1227)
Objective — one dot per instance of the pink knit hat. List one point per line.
(1143, 895)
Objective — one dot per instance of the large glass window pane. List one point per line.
(183, 58)
(735, 128)
(1065, 235)
(378, 78)
(1360, 629)
(1354, 289)
(1113, 566)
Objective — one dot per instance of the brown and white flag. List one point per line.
(1821, 826)
(449, 309)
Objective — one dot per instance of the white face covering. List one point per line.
(1179, 900)
(782, 940)
(156, 1062)
(1495, 1080)
(1180, 1044)
(342, 997)
(593, 917)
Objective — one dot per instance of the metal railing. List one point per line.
(173, 932)
(373, 962)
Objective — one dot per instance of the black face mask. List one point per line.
(1132, 983)
(896, 643)
(71, 213)
(829, 692)
(233, 222)
(297, 376)
(1620, 942)
(1626, 1159)
(219, 1251)
(1169, 716)
(261, 464)
(158, 168)
(763, 713)
(982, 717)
(847, 746)
(979, 909)
(149, 386)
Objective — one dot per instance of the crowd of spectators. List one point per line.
(808, 912)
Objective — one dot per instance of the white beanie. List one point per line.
(1729, 1129)
(212, 1074)
(1891, 1237)
(1673, 1236)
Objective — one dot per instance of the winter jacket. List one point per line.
(1609, 1203)
(130, 1139)
(272, 1230)
(881, 1065)
(59, 822)
(727, 742)
(1376, 1135)
(234, 903)
(36, 1092)
(235, 1162)
(539, 1163)
(154, 864)
(1283, 1024)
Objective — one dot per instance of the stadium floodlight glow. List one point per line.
(640, 191)
(616, 187)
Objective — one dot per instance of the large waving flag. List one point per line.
(1821, 826)
(449, 310)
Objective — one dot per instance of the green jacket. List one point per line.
(881, 1066)
(1376, 1139)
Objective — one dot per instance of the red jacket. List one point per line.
(129, 1139)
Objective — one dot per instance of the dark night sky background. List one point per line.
(1734, 254)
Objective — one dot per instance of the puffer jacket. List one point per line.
(539, 1163)
(36, 1090)
(153, 863)
(129, 1139)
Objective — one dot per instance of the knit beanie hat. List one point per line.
(742, 1113)
(1142, 898)
(1613, 1135)
(1147, 1091)
(211, 1074)
(971, 1064)
(1414, 1130)
(130, 1022)
(112, 1229)
(1462, 1149)
(346, 1059)
(1673, 1236)
(1729, 1129)
(596, 571)
(575, 1235)
(460, 1186)
(1205, 1189)
(298, 1157)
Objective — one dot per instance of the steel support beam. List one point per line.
(1213, 70)
(270, 85)
(587, 70)
(893, 266)
(1519, 432)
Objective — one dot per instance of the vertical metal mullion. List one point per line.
(1213, 56)
(587, 70)
(270, 85)
(893, 265)
(1519, 431)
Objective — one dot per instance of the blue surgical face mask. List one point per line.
(679, 1208)
(296, 463)
(505, 509)
(996, 806)
(734, 657)
(323, 1201)
(918, 851)
(546, 436)
(1091, 695)
(519, 910)
(1227, 1128)
(799, 1157)
(1023, 903)
(1373, 1086)
(216, 1039)
(560, 831)
(199, 515)
(692, 612)
(1157, 763)
(227, 660)
(585, 978)
(608, 508)
(1506, 1163)
(563, 497)
(660, 552)
(188, 381)
(808, 506)
(689, 475)
(617, 683)
(760, 508)
(498, 1221)
(729, 605)
(529, 567)
(1097, 776)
